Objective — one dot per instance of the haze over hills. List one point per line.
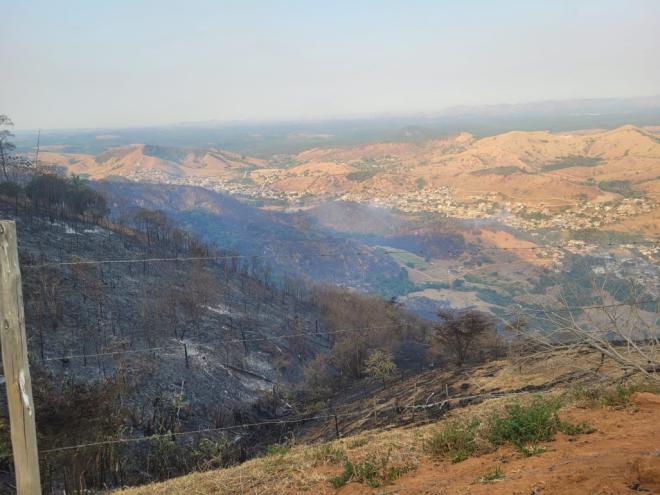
(340, 248)
(420, 216)
(265, 139)
(540, 171)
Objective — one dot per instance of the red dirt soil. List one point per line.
(622, 456)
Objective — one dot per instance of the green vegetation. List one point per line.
(499, 171)
(420, 182)
(616, 397)
(571, 161)
(330, 454)
(374, 470)
(532, 450)
(361, 175)
(435, 285)
(277, 450)
(170, 153)
(389, 286)
(533, 215)
(532, 423)
(603, 237)
(493, 475)
(523, 425)
(344, 477)
(411, 260)
(380, 365)
(623, 187)
(456, 441)
(493, 297)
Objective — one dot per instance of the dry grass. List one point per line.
(377, 457)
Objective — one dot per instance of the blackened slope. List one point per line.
(296, 244)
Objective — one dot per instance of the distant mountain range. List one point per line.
(263, 139)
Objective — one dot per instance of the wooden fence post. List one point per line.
(15, 364)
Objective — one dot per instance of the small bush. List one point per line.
(456, 441)
(330, 454)
(374, 470)
(522, 424)
(578, 429)
(367, 471)
(532, 450)
(358, 442)
(377, 470)
(277, 450)
(340, 480)
(616, 397)
(490, 476)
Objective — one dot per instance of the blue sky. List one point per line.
(130, 63)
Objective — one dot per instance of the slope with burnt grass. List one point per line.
(193, 337)
(508, 427)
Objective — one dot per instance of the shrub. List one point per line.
(380, 365)
(578, 429)
(493, 475)
(340, 480)
(377, 470)
(617, 397)
(277, 450)
(456, 441)
(367, 472)
(532, 450)
(330, 454)
(374, 470)
(522, 424)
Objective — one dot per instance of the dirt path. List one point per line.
(622, 456)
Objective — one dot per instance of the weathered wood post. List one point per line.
(15, 364)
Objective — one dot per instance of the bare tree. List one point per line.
(458, 331)
(6, 146)
(626, 332)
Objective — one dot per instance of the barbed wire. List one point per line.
(580, 308)
(467, 250)
(322, 333)
(369, 411)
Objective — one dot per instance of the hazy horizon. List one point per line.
(83, 65)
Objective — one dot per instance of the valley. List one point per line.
(198, 309)
(330, 248)
(495, 214)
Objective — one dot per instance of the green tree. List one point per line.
(380, 365)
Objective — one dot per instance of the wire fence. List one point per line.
(274, 338)
(318, 333)
(321, 255)
(287, 421)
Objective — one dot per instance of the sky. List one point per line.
(124, 63)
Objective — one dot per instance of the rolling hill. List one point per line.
(533, 168)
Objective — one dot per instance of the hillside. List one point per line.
(610, 447)
(518, 165)
(148, 162)
(193, 337)
(297, 245)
